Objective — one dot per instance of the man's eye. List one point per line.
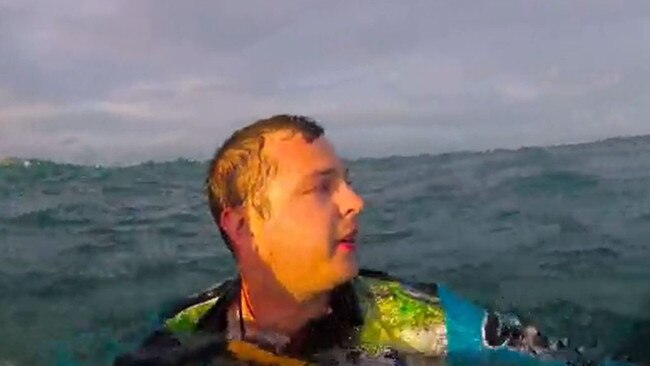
(324, 186)
(319, 187)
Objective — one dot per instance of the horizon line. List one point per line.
(10, 159)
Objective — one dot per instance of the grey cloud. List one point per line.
(131, 81)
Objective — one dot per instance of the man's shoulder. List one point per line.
(383, 280)
(176, 341)
(384, 296)
(401, 314)
(184, 315)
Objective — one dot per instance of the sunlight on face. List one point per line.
(312, 208)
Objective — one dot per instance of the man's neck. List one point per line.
(268, 305)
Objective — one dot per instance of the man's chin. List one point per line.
(348, 270)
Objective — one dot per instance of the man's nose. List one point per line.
(351, 203)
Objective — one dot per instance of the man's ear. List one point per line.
(233, 221)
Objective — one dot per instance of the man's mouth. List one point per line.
(349, 241)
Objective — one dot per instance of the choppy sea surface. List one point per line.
(559, 235)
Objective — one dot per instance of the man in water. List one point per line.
(285, 207)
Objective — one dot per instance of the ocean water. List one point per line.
(560, 235)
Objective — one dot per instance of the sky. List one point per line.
(118, 82)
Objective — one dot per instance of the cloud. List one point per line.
(121, 82)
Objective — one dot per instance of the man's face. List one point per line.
(308, 238)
